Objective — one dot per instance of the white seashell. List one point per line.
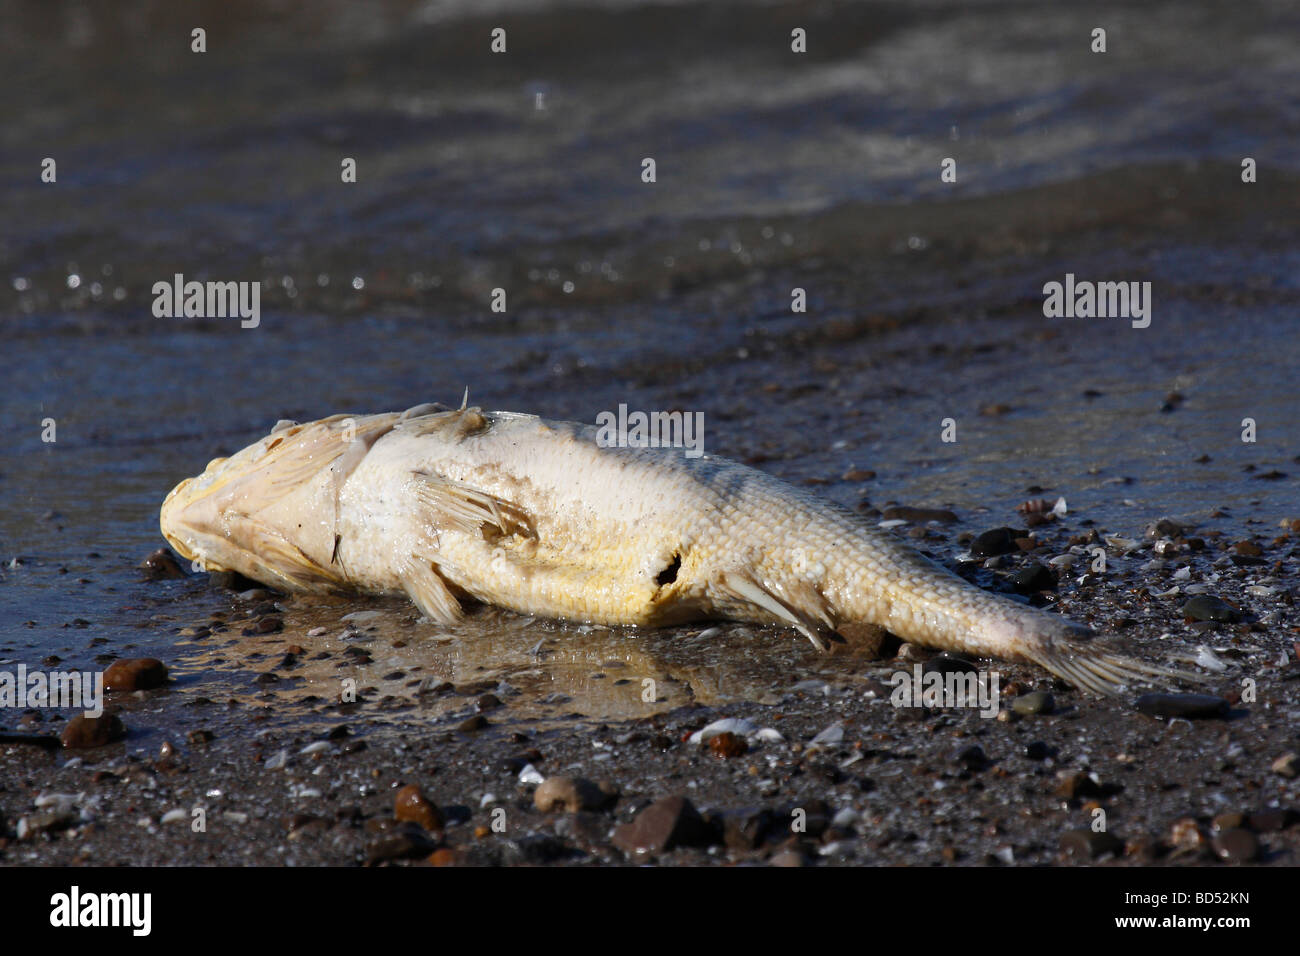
(531, 775)
(728, 725)
(1207, 659)
(831, 735)
(315, 748)
(175, 816)
(892, 523)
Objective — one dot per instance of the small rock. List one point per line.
(1236, 845)
(664, 825)
(410, 805)
(1186, 834)
(84, 732)
(405, 841)
(1070, 786)
(1087, 844)
(996, 541)
(728, 745)
(1288, 765)
(1035, 702)
(568, 795)
(1191, 706)
(1207, 607)
(472, 724)
(135, 673)
(270, 624)
(920, 515)
(1034, 577)
(161, 566)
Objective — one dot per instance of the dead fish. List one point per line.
(539, 517)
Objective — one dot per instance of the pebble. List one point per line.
(1070, 786)
(569, 795)
(472, 724)
(84, 732)
(530, 775)
(920, 515)
(270, 624)
(1088, 844)
(972, 757)
(49, 821)
(1207, 607)
(135, 673)
(1236, 845)
(1287, 765)
(1185, 834)
(404, 842)
(996, 541)
(161, 566)
(728, 745)
(1191, 706)
(1034, 577)
(833, 734)
(410, 805)
(664, 825)
(728, 725)
(1035, 702)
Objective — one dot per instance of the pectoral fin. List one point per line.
(803, 608)
(429, 592)
(458, 507)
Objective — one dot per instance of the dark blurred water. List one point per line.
(774, 170)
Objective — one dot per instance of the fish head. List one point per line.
(270, 511)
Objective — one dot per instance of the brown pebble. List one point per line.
(1248, 548)
(270, 624)
(412, 806)
(444, 856)
(787, 858)
(1236, 845)
(858, 474)
(1227, 821)
(665, 824)
(161, 566)
(727, 745)
(85, 732)
(472, 724)
(135, 673)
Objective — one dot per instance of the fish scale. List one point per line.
(539, 517)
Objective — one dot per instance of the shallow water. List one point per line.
(774, 171)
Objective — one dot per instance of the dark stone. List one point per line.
(996, 541)
(1206, 607)
(664, 825)
(1034, 577)
(161, 566)
(1191, 706)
